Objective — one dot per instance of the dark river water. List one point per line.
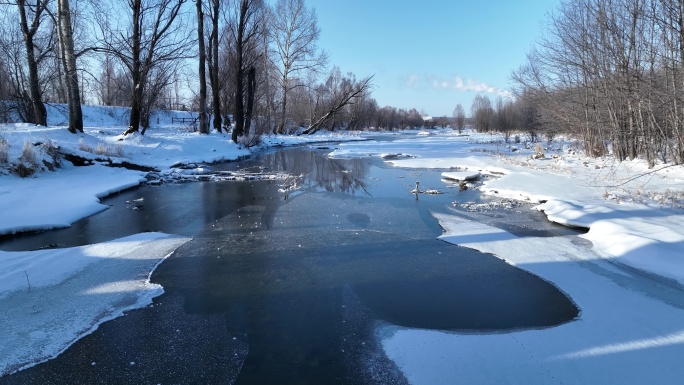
(288, 287)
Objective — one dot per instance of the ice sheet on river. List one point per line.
(629, 331)
(51, 298)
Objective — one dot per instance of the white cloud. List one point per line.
(413, 81)
(456, 83)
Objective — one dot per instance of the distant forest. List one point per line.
(255, 66)
(607, 72)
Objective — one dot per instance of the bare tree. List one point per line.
(203, 123)
(482, 113)
(31, 17)
(350, 91)
(66, 40)
(295, 32)
(459, 117)
(611, 72)
(154, 36)
(213, 47)
(247, 25)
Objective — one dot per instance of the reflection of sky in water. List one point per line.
(359, 176)
(300, 281)
(185, 208)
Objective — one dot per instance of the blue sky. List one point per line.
(431, 54)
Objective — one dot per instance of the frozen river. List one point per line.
(284, 286)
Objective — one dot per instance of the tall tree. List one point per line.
(66, 40)
(482, 113)
(247, 22)
(154, 36)
(214, 64)
(295, 33)
(459, 117)
(203, 123)
(34, 54)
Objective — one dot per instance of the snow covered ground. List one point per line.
(632, 220)
(628, 331)
(630, 327)
(51, 298)
(51, 199)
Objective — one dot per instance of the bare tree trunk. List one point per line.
(69, 59)
(214, 66)
(39, 111)
(251, 89)
(203, 123)
(283, 105)
(239, 117)
(136, 70)
(344, 99)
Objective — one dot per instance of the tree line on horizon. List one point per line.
(248, 64)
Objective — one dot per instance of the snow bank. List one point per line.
(637, 235)
(622, 335)
(58, 199)
(620, 209)
(461, 175)
(52, 298)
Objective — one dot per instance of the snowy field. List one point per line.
(629, 330)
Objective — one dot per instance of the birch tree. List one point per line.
(295, 34)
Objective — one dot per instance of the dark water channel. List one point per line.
(289, 287)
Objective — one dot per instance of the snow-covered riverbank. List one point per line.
(627, 282)
(633, 215)
(51, 298)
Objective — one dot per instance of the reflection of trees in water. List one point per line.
(224, 198)
(313, 171)
(320, 172)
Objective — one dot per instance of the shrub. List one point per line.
(22, 170)
(28, 163)
(51, 150)
(118, 151)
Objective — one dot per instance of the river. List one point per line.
(286, 282)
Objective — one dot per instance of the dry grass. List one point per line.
(28, 162)
(102, 149)
(28, 155)
(84, 147)
(4, 151)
